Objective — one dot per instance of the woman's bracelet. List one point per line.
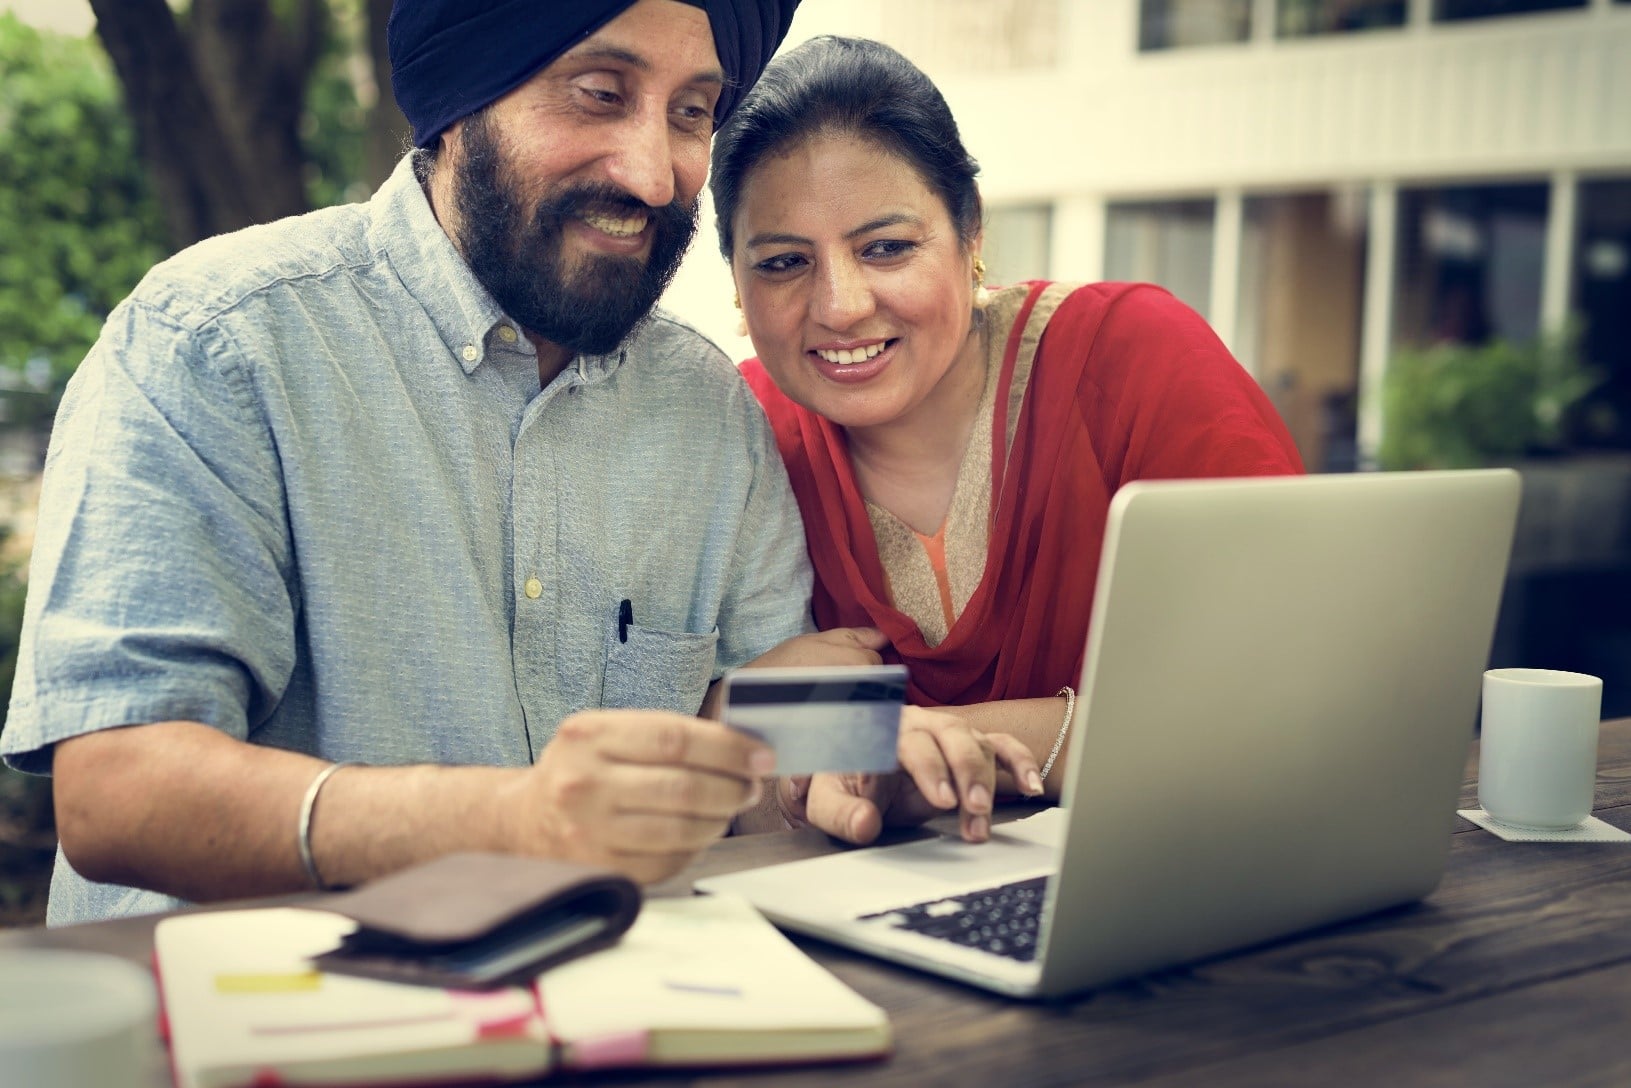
(303, 829)
(1064, 727)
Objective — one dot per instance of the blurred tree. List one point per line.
(77, 224)
(27, 826)
(81, 220)
(219, 95)
(351, 130)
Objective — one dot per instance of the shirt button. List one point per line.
(507, 334)
(534, 588)
(470, 353)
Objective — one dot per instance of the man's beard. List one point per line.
(516, 253)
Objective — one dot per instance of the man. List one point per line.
(353, 523)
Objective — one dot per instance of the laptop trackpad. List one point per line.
(874, 878)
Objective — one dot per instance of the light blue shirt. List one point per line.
(306, 489)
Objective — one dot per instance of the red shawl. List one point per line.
(1128, 383)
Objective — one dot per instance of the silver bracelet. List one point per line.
(303, 829)
(1064, 727)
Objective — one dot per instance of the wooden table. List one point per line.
(1516, 971)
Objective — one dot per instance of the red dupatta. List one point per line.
(1144, 395)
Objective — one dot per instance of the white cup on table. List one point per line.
(1537, 755)
(75, 1019)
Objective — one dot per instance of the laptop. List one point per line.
(1280, 685)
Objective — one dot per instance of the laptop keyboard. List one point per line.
(1001, 920)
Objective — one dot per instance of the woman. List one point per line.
(953, 452)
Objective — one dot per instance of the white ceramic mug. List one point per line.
(72, 1019)
(1537, 755)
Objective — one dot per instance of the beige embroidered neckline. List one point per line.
(913, 584)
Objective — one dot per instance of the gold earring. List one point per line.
(982, 297)
(741, 318)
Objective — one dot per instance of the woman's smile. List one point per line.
(853, 364)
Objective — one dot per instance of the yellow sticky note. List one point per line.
(272, 982)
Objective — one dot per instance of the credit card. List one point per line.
(820, 719)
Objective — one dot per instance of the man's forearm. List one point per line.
(181, 808)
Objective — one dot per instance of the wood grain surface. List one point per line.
(1516, 971)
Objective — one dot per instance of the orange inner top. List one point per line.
(935, 547)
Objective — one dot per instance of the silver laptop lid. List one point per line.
(1280, 685)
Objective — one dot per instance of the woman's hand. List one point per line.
(945, 764)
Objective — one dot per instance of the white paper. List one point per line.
(704, 963)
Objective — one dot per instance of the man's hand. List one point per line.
(640, 791)
(945, 764)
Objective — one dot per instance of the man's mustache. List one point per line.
(610, 201)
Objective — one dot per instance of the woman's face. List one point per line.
(857, 290)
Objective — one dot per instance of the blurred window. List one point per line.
(1018, 243)
(1470, 263)
(1175, 24)
(1300, 18)
(1452, 10)
(1168, 242)
(1302, 288)
(1602, 299)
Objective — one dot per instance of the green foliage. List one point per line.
(27, 832)
(332, 133)
(78, 224)
(333, 128)
(1462, 406)
(12, 591)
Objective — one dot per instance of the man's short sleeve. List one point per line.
(161, 573)
(767, 599)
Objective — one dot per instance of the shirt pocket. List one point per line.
(659, 670)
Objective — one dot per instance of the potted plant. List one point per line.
(1465, 405)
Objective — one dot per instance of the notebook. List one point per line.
(694, 982)
(1280, 684)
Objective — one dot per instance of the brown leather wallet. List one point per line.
(476, 920)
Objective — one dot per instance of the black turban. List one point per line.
(449, 58)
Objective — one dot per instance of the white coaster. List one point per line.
(1591, 829)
